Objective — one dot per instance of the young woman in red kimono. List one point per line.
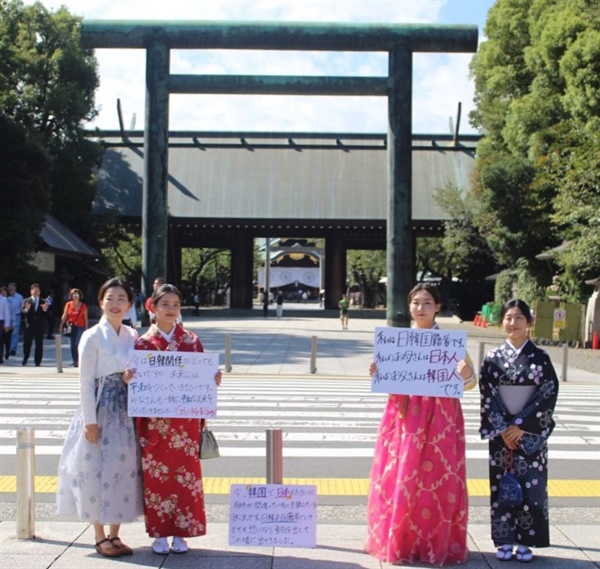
(173, 493)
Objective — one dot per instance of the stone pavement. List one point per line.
(68, 545)
(281, 347)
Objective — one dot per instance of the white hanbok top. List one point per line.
(102, 352)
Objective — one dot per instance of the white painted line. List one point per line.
(44, 435)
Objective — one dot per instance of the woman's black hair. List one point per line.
(113, 283)
(518, 303)
(428, 287)
(162, 290)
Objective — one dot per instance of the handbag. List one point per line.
(67, 330)
(510, 492)
(209, 448)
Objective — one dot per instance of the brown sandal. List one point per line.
(124, 549)
(112, 552)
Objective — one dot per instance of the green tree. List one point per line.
(47, 85)
(577, 207)
(462, 258)
(520, 281)
(365, 269)
(466, 254)
(24, 194)
(513, 217)
(120, 248)
(538, 95)
(207, 271)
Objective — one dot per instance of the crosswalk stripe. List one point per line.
(303, 408)
(42, 436)
(247, 451)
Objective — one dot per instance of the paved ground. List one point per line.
(283, 347)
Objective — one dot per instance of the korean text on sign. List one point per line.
(273, 515)
(418, 362)
(173, 384)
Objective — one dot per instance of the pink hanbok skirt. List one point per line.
(418, 505)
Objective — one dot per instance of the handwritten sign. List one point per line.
(418, 362)
(173, 384)
(273, 515)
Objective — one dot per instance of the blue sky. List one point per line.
(440, 81)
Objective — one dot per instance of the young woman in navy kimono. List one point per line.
(519, 389)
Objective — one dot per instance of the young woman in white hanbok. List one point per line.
(99, 473)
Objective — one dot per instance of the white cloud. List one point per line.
(440, 81)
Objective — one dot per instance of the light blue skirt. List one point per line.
(102, 482)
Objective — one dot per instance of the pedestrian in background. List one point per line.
(173, 491)
(75, 315)
(5, 324)
(131, 317)
(34, 313)
(158, 281)
(417, 510)
(15, 300)
(279, 304)
(519, 389)
(196, 300)
(99, 473)
(344, 306)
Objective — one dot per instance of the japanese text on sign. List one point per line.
(273, 515)
(173, 384)
(418, 362)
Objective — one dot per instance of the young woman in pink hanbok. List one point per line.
(417, 507)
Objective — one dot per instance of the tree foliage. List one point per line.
(520, 278)
(47, 85)
(465, 252)
(365, 269)
(208, 272)
(537, 82)
(121, 250)
(205, 270)
(24, 194)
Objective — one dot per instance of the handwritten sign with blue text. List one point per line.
(273, 515)
(418, 362)
(173, 384)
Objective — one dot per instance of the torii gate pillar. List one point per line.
(155, 226)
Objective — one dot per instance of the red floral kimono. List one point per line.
(173, 492)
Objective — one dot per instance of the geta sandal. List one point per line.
(504, 552)
(524, 554)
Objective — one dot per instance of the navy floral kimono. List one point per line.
(531, 369)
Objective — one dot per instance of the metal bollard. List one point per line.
(481, 353)
(26, 483)
(313, 354)
(565, 359)
(58, 346)
(227, 353)
(274, 456)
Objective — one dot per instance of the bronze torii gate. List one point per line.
(399, 40)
